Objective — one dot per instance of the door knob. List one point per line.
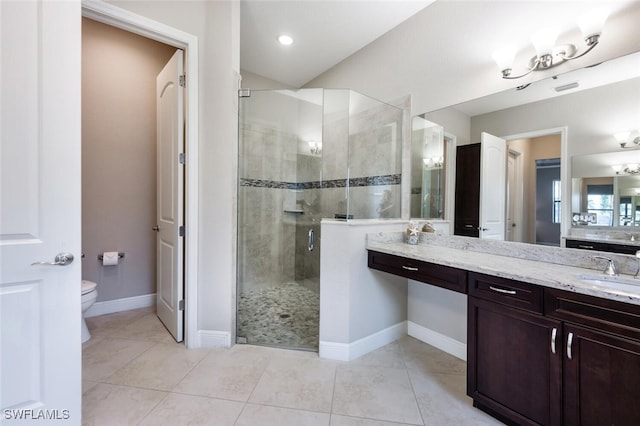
(61, 259)
(156, 228)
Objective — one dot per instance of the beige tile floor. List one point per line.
(134, 373)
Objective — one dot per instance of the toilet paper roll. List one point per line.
(110, 258)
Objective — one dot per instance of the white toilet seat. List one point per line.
(88, 286)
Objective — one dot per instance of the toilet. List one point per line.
(89, 296)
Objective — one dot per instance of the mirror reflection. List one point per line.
(606, 189)
(581, 121)
(428, 159)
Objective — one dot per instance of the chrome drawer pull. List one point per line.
(585, 247)
(501, 290)
(554, 332)
(409, 268)
(569, 342)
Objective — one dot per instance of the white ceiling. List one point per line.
(328, 31)
(325, 32)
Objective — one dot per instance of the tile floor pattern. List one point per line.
(135, 374)
(287, 315)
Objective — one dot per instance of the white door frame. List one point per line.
(137, 24)
(515, 204)
(565, 172)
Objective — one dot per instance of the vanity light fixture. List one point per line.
(623, 139)
(433, 162)
(548, 54)
(315, 147)
(630, 169)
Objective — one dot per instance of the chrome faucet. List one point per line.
(611, 267)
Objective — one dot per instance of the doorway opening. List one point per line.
(153, 32)
(534, 203)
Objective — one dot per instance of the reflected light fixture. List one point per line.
(630, 169)
(315, 147)
(623, 139)
(285, 40)
(548, 54)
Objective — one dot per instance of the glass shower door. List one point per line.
(279, 199)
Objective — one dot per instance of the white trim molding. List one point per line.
(437, 340)
(137, 24)
(214, 339)
(119, 305)
(353, 350)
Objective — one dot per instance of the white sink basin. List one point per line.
(611, 283)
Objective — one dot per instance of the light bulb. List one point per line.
(504, 57)
(592, 22)
(285, 40)
(544, 40)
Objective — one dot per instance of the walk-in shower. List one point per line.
(304, 155)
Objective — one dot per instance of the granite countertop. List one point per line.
(538, 272)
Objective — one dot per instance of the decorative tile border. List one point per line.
(395, 179)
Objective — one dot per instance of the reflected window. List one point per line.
(600, 202)
(556, 191)
(626, 211)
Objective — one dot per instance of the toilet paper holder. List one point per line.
(120, 256)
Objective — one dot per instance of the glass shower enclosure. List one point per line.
(304, 155)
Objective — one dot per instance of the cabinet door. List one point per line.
(601, 378)
(514, 364)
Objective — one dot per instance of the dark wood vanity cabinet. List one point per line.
(541, 356)
(513, 372)
(601, 358)
(430, 273)
(466, 220)
(599, 246)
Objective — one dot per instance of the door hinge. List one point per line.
(181, 231)
(182, 80)
(244, 93)
(181, 305)
(181, 158)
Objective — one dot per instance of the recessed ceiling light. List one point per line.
(285, 40)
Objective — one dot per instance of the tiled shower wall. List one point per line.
(285, 190)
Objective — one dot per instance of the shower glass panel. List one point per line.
(304, 155)
(279, 166)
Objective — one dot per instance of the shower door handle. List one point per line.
(310, 240)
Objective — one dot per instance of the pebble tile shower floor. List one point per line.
(287, 316)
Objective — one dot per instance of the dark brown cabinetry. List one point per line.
(601, 367)
(467, 195)
(538, 355)
(609, 247)
(430, 273)
(514, 367)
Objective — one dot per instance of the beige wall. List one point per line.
(119, 157)
(216, 24)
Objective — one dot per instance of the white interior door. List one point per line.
(170, 147)
(493, 186)
(40, 344)
(514, 197)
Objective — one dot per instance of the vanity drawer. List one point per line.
(430, 273)
(609, 247)
(507, 292)
(607, 315)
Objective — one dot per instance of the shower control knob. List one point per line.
(156, 228)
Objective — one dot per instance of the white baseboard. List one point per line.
(438, 340)
(214, 339)
(353, 350)
(119, 305)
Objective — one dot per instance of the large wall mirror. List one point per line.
(546, 124)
